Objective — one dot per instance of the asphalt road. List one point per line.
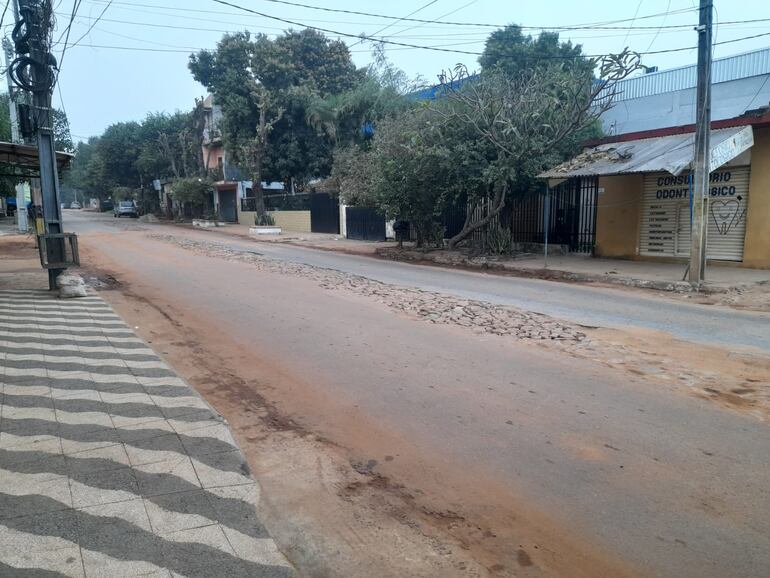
(588, 305)
(667, 484)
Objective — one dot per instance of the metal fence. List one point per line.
(571, 216)
(364, 224)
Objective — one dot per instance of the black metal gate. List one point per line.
(572, 216)
(324, 213)
(364, 224)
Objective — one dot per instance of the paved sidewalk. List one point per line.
(110, 464)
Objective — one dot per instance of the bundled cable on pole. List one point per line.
(26, 71)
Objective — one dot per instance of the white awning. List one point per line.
(672, 154)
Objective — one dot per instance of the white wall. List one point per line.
(675, 108)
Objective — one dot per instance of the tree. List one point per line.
(253, 151)
(416, 167)
(134, 154)
(125, 194)
(350, 118)
(192, 190)
(526, 119)
(256, 77)
(61, 132)
(511, 51)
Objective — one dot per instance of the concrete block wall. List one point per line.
(297, 221)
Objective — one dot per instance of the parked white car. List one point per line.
(74, 205)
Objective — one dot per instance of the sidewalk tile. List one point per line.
(179, 511)
(175, 475)
(104, 487)
(103, 454)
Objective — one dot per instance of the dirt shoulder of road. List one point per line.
(749, 296)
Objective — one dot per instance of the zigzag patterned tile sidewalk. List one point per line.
(110, 464)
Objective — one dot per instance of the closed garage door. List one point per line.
(665, 227)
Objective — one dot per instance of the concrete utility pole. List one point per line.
(700, 190)
(37, 15)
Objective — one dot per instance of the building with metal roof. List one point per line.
(667, 98)
(629, 194)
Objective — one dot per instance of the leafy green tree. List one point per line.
(264, 87)
(125, 194)
(87, 172)
(416, 167)
(526, 121)
(133, 154)
(191, 190)
(61, 132)
(513, 52)
(351, 117)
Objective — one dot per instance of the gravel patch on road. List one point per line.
(479, 316)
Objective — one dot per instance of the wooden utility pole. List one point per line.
(700, 189)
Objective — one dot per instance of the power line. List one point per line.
(472, 53)
(638, 6)
(481, 35)
(759, 90)
(375, 15)
(339, 33)
(400, 32)
(75, 7)
(409, 47)
(654, 38)
(589, 25)
(2, 18)
(384, 28)
(93, 24)
(595, 26)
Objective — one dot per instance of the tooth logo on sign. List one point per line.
(726, 214)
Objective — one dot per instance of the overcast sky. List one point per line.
(100, 86)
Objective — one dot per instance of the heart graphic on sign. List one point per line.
(726, 215)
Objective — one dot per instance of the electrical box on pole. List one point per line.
(700, 199)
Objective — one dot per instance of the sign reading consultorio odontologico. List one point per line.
(678, 187)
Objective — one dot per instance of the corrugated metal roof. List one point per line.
(672, 154)
(724, 69)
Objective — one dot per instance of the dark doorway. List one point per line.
(228, 211)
